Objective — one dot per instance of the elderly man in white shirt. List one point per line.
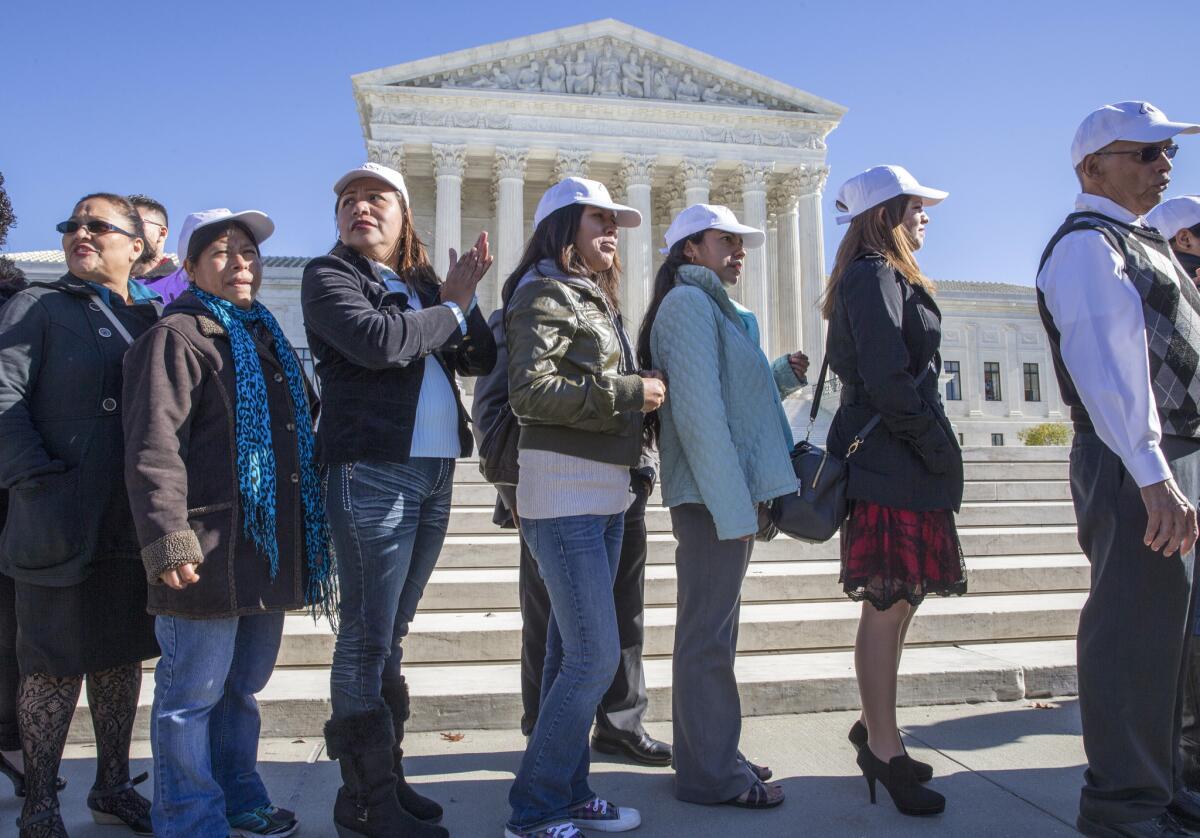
(1124, 326)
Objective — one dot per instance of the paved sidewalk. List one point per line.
(1007, 769)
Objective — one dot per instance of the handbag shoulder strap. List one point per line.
(112, 317)
(861, 436)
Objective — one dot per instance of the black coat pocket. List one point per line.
(45, 523)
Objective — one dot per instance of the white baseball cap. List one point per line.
(1174, 215)
(879, 184)
(700, 217)
(377, 172)
(258, 223)
(1138, 122)
(578, 190)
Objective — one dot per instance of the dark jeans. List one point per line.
(623, 707)
(1189, 740)
(1133, 633)
(388, 522)
(10, 676)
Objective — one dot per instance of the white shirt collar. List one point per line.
(1086, 201)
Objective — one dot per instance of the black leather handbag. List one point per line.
(815, 511)
(498, 449)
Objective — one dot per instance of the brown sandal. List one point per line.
(759, 796)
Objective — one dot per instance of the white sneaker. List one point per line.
(601, 816)
(563, 829)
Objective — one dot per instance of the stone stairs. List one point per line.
(1011, 637)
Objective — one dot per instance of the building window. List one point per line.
(991, 381)
(961, 441)
(1033, 384)
(997, 439)
(954, 385)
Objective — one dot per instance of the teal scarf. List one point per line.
(256, 455)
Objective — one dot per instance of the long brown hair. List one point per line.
(410, 255)
(554, 239)
(878, 230)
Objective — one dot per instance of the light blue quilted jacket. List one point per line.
(725, 439)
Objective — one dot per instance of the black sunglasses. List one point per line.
(95, 227)
(1149, 153)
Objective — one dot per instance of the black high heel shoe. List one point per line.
(17, 778)
(858, 738)
(898, 777)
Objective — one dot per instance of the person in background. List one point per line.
(217, 359)
(69, 542)
(726, 447)
(155, 264)
(1123, 321)
(388, 337)
(574, 386)
(899, 543)
(1179, 221)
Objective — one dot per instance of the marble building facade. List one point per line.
(479, 134)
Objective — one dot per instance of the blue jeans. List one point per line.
(204, 725)
(388, 522)
(577, 557)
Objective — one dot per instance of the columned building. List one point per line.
(481, 133)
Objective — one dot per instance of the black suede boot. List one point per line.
(417, 805)
(366, 805)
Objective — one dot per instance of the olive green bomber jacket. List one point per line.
(565, 380)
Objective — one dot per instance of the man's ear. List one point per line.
(1093, 167)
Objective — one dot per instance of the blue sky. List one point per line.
(249, 104)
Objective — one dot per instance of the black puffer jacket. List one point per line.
(883, 333)
(371, 348)
(61, 444)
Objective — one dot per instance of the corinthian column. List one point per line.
(697, 179)
(449, 162)
(790, 310)
(637, 172)
(509, 169)
(812, 262)
(571, 162)
(755, 281)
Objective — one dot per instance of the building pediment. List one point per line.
(605, 58)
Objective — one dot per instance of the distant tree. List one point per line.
(1047, 433)
(11, 277)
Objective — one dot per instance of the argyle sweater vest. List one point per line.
(1171, 309)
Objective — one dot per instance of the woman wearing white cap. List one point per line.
(1179, 221)
(905, 476)
(725, 446)
(216, 400)
(388, 338)
(576, 390)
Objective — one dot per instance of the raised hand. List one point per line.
(465, 272)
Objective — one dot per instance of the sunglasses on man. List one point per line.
(95, 227)
(1148, 154)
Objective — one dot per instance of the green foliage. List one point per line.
(1047, 433)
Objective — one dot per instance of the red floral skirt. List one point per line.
(893, 554)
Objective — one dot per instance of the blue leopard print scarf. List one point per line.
(256, 456)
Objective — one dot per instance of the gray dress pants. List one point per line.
(706, 707)
(1133, 636)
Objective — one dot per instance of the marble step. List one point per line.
(467, 472)
(468, 637)
(499, 548)
(477, 520)
(295, 703)
(483, 589)
(482, 494)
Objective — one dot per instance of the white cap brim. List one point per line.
(931, 197)
(258, 223)
(626, 216)
(1160, 131)
(359, 173)
(752, 237)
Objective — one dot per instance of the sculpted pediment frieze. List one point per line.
(605, 66)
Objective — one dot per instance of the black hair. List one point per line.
(209, 233)
(146, 202)
(126, 208)
(664, 281)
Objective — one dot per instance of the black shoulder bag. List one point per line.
(815, 511)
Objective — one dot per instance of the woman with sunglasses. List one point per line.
(69, 542)
(899, 543)
(389, 337)
(575, 388)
